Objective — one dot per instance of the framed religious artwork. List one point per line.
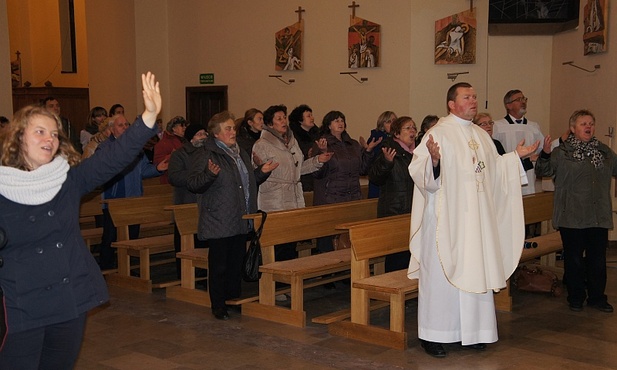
(596, 26)
(363, 43)
(455, 39)
(288, 45)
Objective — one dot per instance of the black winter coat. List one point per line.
(339, 178)
(178, 173)
(220, 198)
(49, 275)
(395, 184)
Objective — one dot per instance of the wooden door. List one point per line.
(202, 102)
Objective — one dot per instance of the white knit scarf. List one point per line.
(33, 187)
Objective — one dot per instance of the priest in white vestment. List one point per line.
(467, 226)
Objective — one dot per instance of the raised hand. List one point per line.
(525, 151)
(389, 153)
(325, 157)
(546, 147)
(322, 144)
(433, 150)
(269, 166)
(163, 165)
(213, 167)
(370, 146)
(152, 98)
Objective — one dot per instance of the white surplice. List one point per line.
(467, 231)
(511, 134)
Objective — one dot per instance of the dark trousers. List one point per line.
(53, 347)
(584, 257)
(397, 261)
(110, 235)
(324, 244)
(285, 252)
(225, 258)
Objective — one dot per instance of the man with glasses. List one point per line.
(515, 127)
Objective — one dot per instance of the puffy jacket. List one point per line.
(178, 173)
(283, 189)
(220, 198)
(339, 178)
(395, 183)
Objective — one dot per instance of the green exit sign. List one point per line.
(206, 78)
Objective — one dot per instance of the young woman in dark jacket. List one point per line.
(390, 172)
(49, 277)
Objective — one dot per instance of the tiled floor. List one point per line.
(146, 331)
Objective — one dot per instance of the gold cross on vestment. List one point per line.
(473, 145)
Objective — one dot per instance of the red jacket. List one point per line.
(163, 149)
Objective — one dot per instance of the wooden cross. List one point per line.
(300, 11)
(471, 5)
(353, 7)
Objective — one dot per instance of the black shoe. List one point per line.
(477, 346)
(433, 349)
(220, 313)
(604, 307)
(576, 307)
(234, 307)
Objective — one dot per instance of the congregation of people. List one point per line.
(454, 174)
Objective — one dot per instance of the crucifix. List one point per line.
(353, 7)
(300, 11)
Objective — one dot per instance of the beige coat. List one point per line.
(283, 189)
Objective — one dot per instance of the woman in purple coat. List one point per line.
(338, 180)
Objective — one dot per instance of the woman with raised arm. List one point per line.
(49, 278)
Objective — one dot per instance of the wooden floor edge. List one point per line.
(129, 282)
(369, 334)
(275, 314)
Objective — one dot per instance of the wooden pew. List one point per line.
(90, 207)
(146, 211)
(295, 225)
(538, 207)
(186, 217)
(371, 240)
(374, 238)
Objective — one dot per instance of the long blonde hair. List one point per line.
(11, 142)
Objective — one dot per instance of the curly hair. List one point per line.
(12, 153)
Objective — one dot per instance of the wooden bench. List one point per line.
(295, 225)
(148, 211)
(538, 208)
(186, 217)
(370, 240)
(375, 238)
(90, 207)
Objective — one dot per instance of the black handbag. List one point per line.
(252, 258)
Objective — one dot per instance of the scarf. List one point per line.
(589, 149)
(33, 187)
(234, 153)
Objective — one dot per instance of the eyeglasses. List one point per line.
(522, 99)
(486, 124)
